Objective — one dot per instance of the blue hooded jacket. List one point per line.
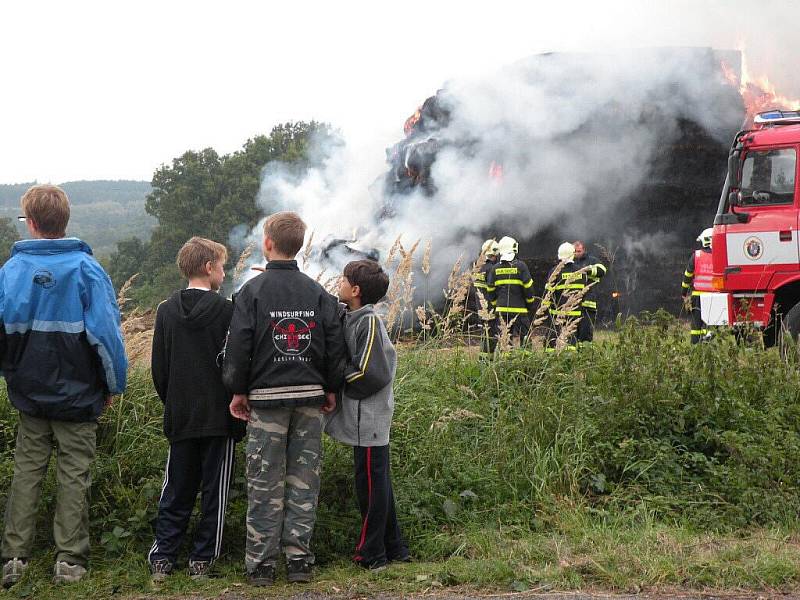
(61, 344)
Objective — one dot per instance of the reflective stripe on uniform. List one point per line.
(589, 304)
(511, 309)
(481, 286)
(685, 285)
(513, 282)
(687, 274)
(506, 271)
(565, 313)
(699, 331)
(530, 300)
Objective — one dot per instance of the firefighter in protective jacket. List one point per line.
(564, 298)
(697, 281)
(510, 290)
(479, 300)
(595, 271)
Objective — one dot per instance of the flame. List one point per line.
(496, 170)
(408, 126)
(758, 92)
(615, 294)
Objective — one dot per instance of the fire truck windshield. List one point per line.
(768, 177)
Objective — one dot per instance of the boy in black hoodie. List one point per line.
(189, 335)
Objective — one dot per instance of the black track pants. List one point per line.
(204, 464)
(380, 535)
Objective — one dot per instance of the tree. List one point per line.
(8, 235)
(205, 194)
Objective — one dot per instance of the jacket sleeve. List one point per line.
(596, 270)
(369, 371)
(159, 361)
(239, 345)
(103, 328)
(491, 290)
(527, 284)
(688, 276)
(335, 346)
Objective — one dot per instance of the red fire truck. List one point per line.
(756, 241)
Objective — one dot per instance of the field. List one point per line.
(638, 464)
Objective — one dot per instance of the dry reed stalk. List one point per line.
(505, 342)
(241, 264)
(307, 250)
(401, 289)
(426, 259)
(422, 318)
(543, 312)
(122, 299)
(392, 252)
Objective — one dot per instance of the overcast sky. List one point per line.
(113, 89)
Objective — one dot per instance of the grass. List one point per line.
(640, 463)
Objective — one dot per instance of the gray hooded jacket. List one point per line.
(363, 414)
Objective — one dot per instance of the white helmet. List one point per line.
(566, 252)
(507, 247)
(705, 237)
(489, 248)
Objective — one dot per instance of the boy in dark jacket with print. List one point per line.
(364, 415)
(285, 351)
(188, 338)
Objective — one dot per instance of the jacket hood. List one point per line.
(207, 308)
(47, 246)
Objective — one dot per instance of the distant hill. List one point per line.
(103, 212)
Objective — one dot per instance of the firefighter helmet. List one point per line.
(507, 247)
(489, 248)
(566, 252)
(705, 237)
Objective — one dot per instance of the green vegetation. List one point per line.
(103, 212)
(638, 463)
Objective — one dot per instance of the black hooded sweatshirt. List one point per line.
(189, 335)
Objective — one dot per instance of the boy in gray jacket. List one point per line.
(364, 415)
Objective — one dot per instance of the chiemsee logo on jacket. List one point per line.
(291, 333)
(44, 278)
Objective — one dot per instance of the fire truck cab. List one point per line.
(756, 240)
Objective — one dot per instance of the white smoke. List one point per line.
(574, 133)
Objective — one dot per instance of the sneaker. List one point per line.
(379, 564)
(298, 570)
(160, 569)
(13, 570)
(404, 556)
(199, 569)
(65, 572)
(263, 576)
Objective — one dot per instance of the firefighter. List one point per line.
(595, 271)
(510, 291)
(488, 328)
(697, 281)
(563, 297)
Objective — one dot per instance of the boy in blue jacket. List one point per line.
(63, 358)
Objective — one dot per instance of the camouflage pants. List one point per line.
(284, 451)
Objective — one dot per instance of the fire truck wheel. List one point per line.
(790, 327)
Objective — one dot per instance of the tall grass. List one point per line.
(642, 429)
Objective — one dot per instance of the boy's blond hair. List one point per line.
(194, 254)
(48, 207)
(287, 231)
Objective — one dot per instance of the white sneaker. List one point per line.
(67, 573)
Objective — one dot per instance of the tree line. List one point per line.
(207, 194)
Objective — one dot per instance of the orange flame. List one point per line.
(758, 92)
(408, 126)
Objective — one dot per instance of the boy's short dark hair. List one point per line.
(194, 254)
(369, 277)
(48, 207)
(287, 231)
